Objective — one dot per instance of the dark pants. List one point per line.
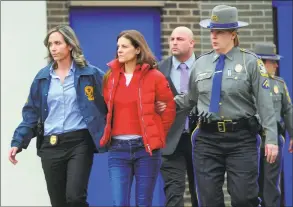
(174, 169)
(67, 167)
(236, 153)
(128, 159)
(269, 179)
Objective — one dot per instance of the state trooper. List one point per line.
(269, 182)
(224, 85)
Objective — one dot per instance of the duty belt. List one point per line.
(225, 126)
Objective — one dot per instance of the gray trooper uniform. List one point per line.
(269, 179)
(282, 103)
(228, 141)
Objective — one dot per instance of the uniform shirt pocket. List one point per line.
(277, 100)
(236, 83)
(204, 82)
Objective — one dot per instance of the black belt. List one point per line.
(225, 126)
(73, 133)
(54, 138)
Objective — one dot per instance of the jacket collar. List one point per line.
(116, 66)
(45, 72)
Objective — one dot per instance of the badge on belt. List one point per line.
(53, 140)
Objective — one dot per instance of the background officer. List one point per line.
(223, 85)
(269, 179)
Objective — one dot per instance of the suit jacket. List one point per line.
(173, 137)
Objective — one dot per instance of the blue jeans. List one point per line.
(126, 159)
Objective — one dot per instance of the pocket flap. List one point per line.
(277, 97)
(202, 76)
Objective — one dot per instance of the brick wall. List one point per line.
(257, 13)
(180, 13)
(57, 13)
(189, 13)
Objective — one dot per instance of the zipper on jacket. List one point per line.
(111, 92)
(110, 98)
(144, 131)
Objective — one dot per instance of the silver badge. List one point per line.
(238, 68)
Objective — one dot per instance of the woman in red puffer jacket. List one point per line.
(134, 132)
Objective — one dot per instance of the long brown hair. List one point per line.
(138, 41)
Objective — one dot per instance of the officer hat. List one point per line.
(266, 50)
(224, 18)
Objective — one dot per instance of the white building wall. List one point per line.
(23, 28)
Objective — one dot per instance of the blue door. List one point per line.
(285, 34)
(97, 30)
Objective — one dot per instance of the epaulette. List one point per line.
(249, 52)
(278, 78)
(206, 53)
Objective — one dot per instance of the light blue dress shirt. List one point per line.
(176, 73)
(64, 114)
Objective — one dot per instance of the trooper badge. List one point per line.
(238, 68)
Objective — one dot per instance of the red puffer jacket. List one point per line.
(153, 86)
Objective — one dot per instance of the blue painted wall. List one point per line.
(285, 36)
(97, 30)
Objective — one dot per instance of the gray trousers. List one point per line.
(237, 154)
(269, 178)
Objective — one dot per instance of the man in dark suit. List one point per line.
(177, 155)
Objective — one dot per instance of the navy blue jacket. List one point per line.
(88, 85)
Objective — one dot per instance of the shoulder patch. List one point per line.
(89, 92)
(262, 69)
(265, 84)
